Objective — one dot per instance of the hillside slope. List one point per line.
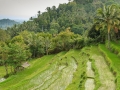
(76, 14)
(84, 69)
(4, 23)
(49, 71)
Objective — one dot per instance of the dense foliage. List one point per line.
(70, 26)
(28, 45)
(77, 14)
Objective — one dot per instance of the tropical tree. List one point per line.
(4, 36)
(47, 42)
(54, 27)
(39, 13)
(18, 52)
(65, 38)
(31, 41)
(4, 49)
(107, 19)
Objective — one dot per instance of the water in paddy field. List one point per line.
(2, 79)
(89, 84)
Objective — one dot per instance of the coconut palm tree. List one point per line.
(107, 19)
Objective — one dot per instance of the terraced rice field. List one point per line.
(72, 70)
(90, 83)
(106, 77)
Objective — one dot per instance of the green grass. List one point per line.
(32, 76)
(113, 62)
(48, 67)
(91, 51)
(116, 44)
(115, 48)
(23, 77)
(2, 71)
(97, 80)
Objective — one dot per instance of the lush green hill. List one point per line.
(4, 23)
(77, 14)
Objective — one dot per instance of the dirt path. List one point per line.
(106, 77)
(89, 84)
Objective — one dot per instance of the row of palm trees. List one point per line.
(108, 18)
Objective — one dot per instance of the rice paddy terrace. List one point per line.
(92, 68)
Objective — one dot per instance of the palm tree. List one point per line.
(39, 12)
(107, 18)
(31, 18)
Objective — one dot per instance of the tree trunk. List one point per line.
(108, 40)
(34, 53)
(46, 50)
(11, 69)
(6, 69)
(15, 69)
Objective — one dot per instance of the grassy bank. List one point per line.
(37, 66)
(113, 63)
(80, 74)
(52, 71)
(66, 71)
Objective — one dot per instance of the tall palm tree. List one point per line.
(39, 12)
(107, 18)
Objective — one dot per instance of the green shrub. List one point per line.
(88, 41)
(118, 54)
